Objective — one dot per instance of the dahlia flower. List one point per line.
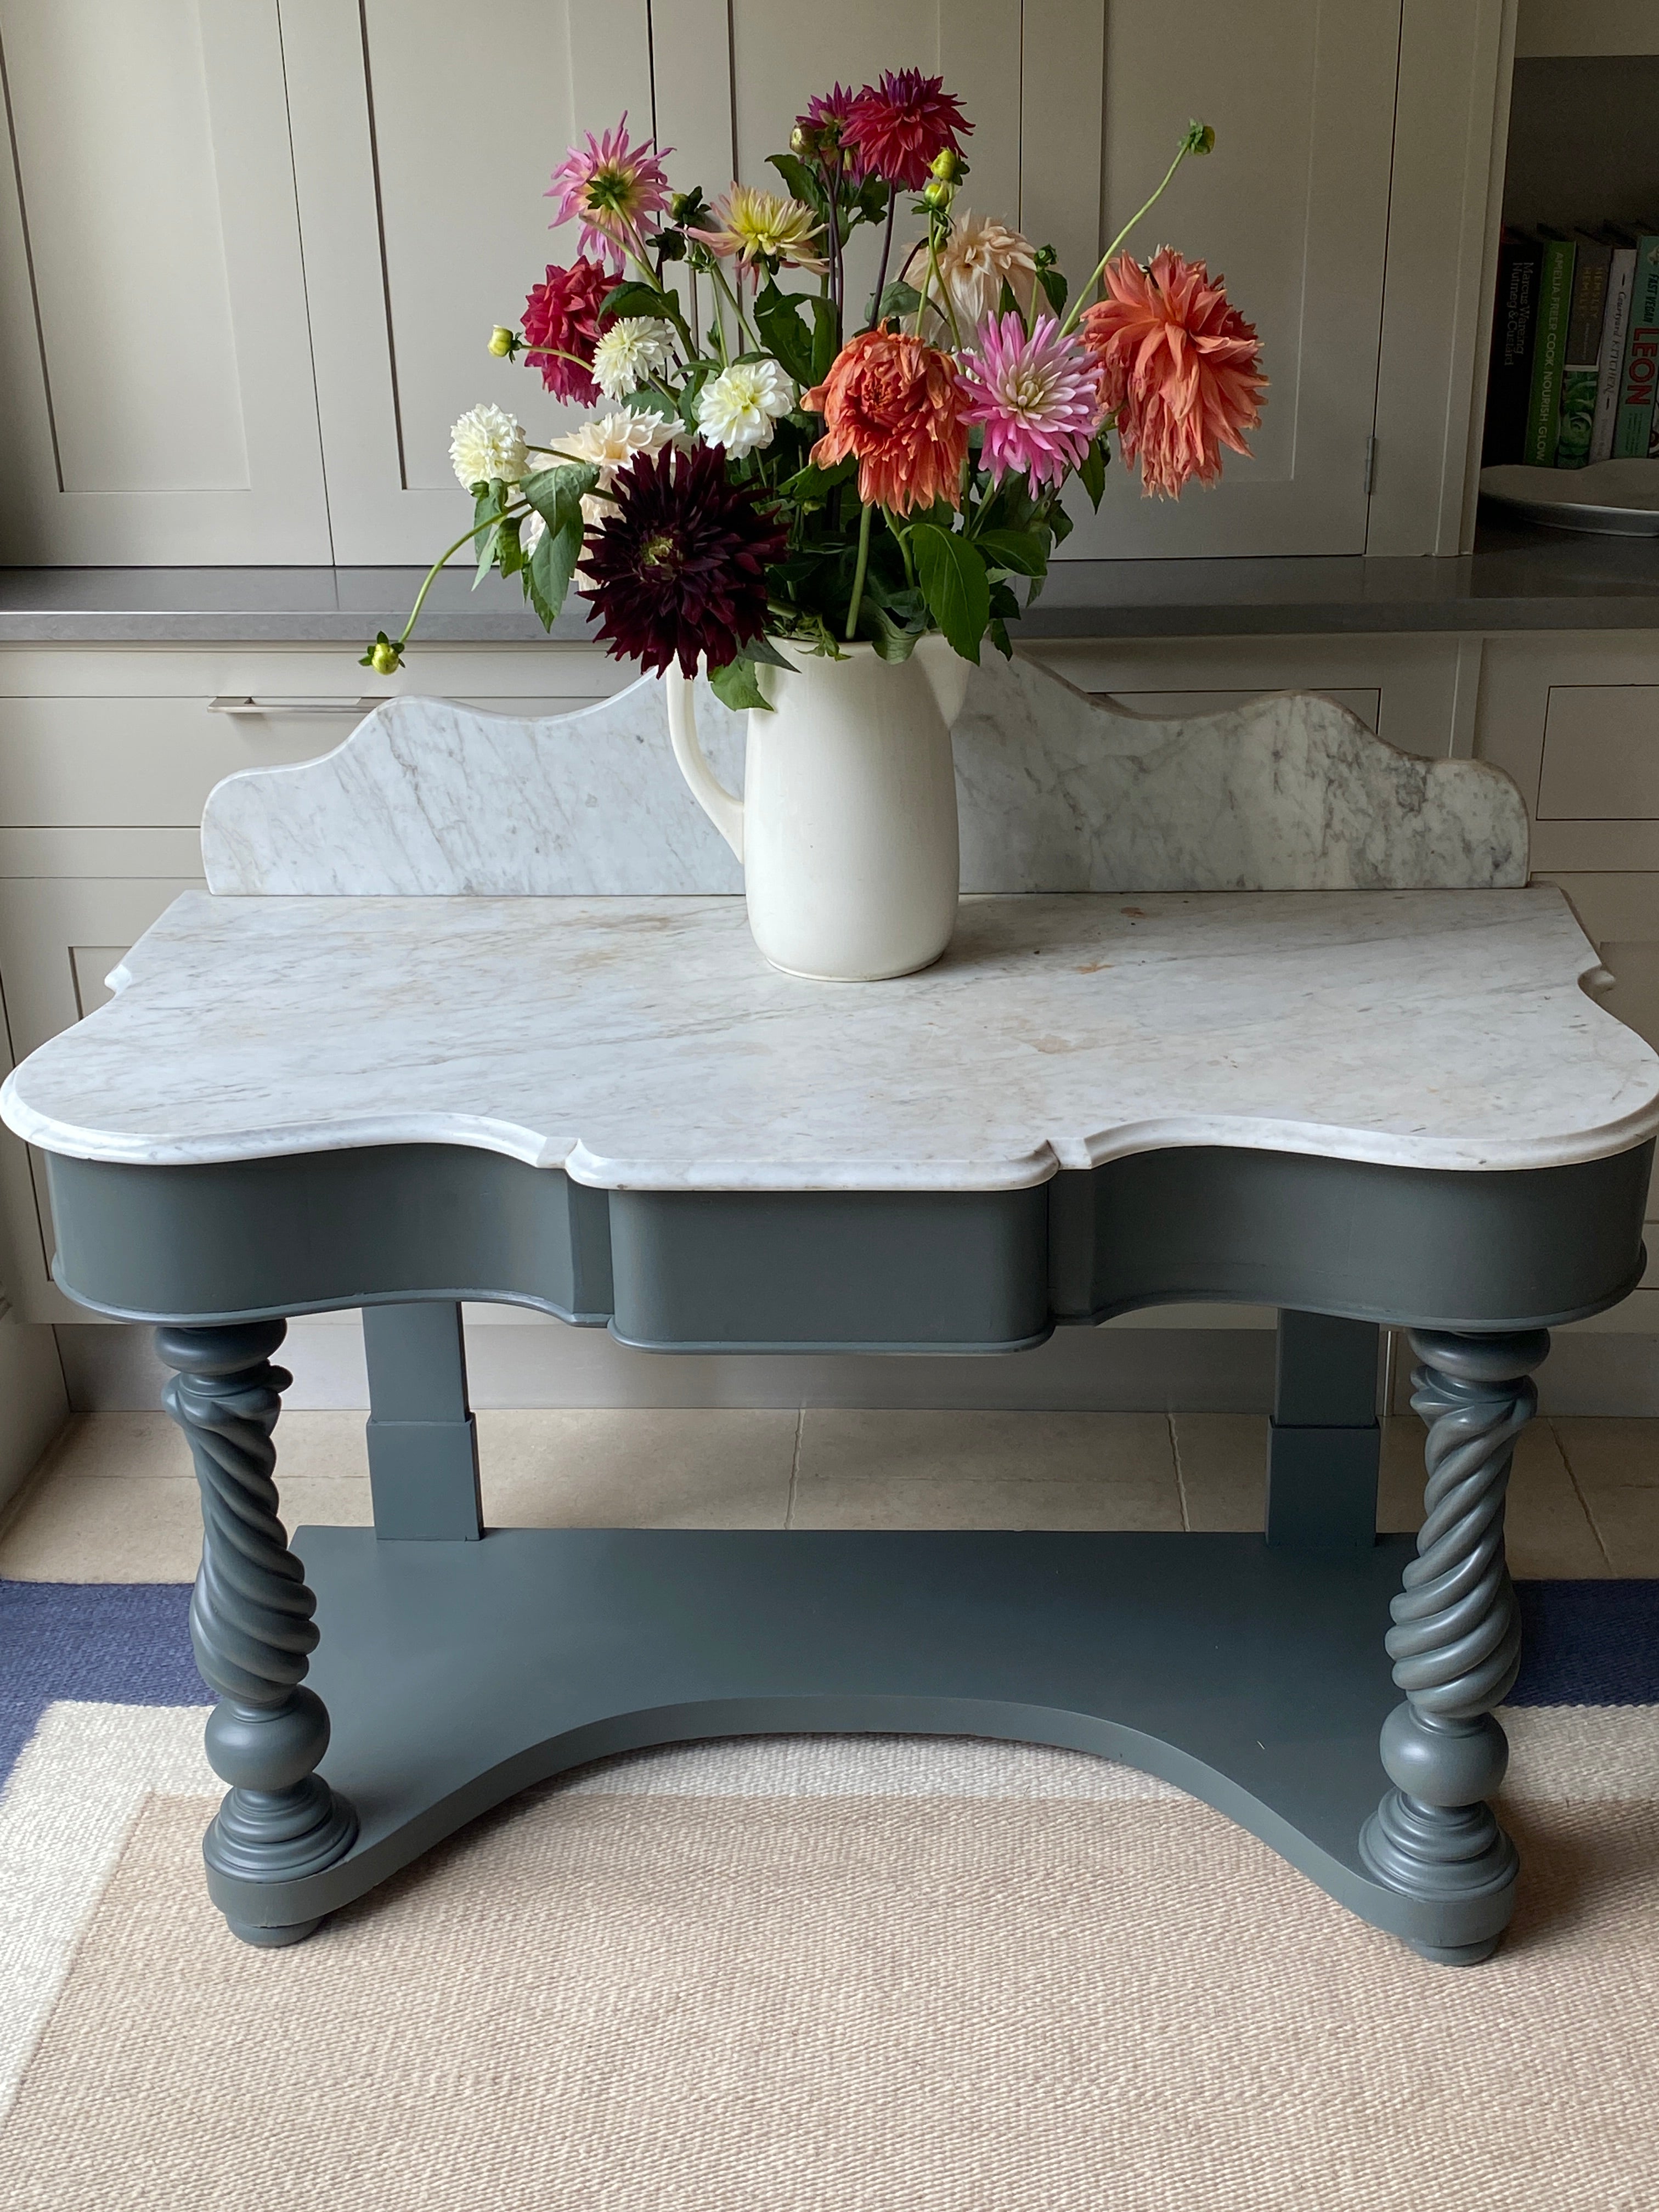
(1180, 366)
(1037, 398)
(612, 189)
(679, 569)
(739, 407)
(763, 226)
(562, 327)
(630, 353)
(487, 447)
(828, 109)
(978, 259)
(610, 442)
(894, 403)
(898, 126)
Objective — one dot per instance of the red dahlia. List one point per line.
(828, 111)
(561, 326)
(900, 126)
(679, 567)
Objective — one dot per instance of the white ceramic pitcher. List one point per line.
(846, 829)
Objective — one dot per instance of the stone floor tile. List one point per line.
(117, 1528)
(1549, 1532)
(1623, 1455)
(630, 1468)
(941, 1501)
(1627, 1522)
(1128, 1449)
(1222, 1461)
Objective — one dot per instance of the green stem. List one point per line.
(744, 330)
(929, 276)
(1078, 304)
(465, 539)
(903, 537)
(865, 514)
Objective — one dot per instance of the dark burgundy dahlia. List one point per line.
(679, 567)
(561, 326)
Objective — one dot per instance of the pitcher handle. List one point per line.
(723, 809)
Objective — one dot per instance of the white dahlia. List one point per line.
(610, 442)
(978, 259)
(487, 446)
(738, 408)
(630, 354)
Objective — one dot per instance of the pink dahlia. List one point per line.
(612, 189)
(825, 123)
(1180, 366)
(561, 326)
(899, 126)
(1037, 398)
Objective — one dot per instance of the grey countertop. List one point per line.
(1516, 579)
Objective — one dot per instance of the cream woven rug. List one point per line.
(848, 1975)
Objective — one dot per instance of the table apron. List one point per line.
(894, 1270)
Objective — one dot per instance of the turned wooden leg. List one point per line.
(251, 1621)
(1455, 1643)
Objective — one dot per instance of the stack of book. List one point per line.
(1575, 345)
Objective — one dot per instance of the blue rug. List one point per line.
(1586, 1644)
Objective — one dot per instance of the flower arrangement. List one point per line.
(766, 466)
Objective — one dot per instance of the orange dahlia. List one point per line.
(895, 404)
(1180, 366)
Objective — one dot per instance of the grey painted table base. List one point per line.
(459, 1665)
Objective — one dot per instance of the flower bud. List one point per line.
(938, 191)
(1044, 258)
(949, 166)
(502, 341)
(385, 657)
(1199, 139)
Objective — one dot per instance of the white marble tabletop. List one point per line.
(643, 1043)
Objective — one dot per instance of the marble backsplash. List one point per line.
(1058, 792)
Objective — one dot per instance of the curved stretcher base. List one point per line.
(457, 1674)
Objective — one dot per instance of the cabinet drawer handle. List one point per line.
(225, 704)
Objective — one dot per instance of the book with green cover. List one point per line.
(1592, 258)
(1635, 386)
(1549, 349)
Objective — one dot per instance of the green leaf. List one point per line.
(891, 640)
(1054, 285)
(551, 567)
(1007, 303)
(1005, 606)
(557, 494)
(633, 298)
(1022, 551)
(762, 649)
(872, 200)
(998, 634)
(1092, 474)
(952, 579)
(509, 552)
(737, 685)
(777, 317)
(899, 299)
(1062, 524)
(803, 182)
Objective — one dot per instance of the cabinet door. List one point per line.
(153, 354)
(424, 139)
(1291, 207)
(59, 937)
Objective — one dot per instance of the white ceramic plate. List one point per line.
(1616, 499)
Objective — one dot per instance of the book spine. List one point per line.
(1548, 352)
(1509, 376)
(1578, 367)
(1641, 365)
(1610, 360)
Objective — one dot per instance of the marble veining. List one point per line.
(1058, 792)
(644, 1043)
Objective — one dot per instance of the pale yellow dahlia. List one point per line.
(756, 226)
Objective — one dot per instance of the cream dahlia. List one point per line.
(611, 442)
(487, 447)
(630, 354)
(766, 228)
(739, 407)
(978, 259)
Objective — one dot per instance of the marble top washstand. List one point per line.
(1247, 1007)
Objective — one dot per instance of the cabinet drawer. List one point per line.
(150, 763)
(1601, 753)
